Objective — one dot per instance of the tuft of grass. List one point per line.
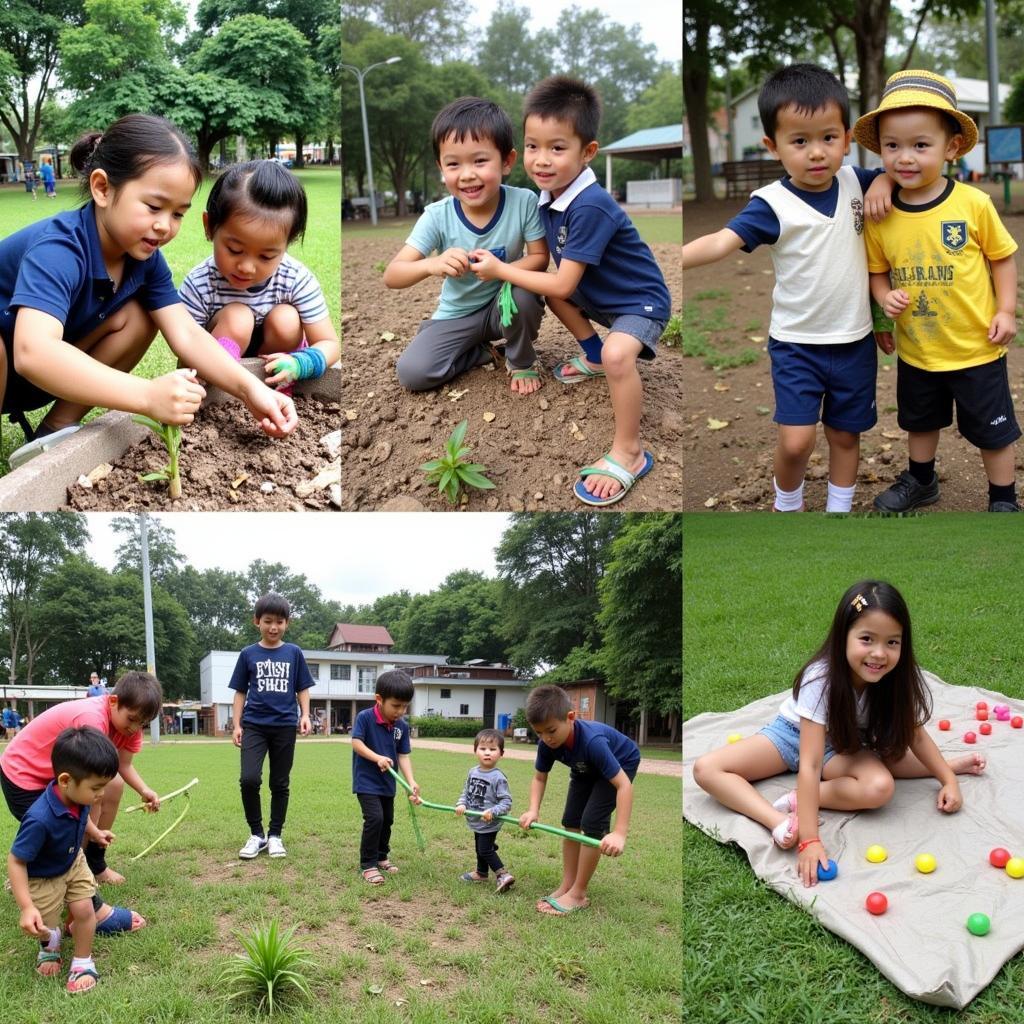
(673, 333)
(272, 962)
(453, 472)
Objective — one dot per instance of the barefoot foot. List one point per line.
(110, 877)
(968, 764)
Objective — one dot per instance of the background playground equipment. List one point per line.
(184, 790)
(576, 837)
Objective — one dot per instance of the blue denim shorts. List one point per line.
(786, 737)
(648, 332)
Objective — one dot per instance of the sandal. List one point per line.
(47, 956)
(616, 472)
(76, 975)
(531, 372)
(470, 876)
(505, 881)
(583, 372)
(386, 866)
(372, 876)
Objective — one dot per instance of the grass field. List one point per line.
(760, 594)
(320, 252)
(450, 952)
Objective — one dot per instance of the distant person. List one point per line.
(97, 687)
(8, 721)
(31, 182)
(49, 182)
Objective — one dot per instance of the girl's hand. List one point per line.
(527, 818)
(275, 412)
(277, 368)
(895, 302)
(807, 861)
(949, 798)
(174, 398)
(485, 265)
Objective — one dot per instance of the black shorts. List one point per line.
(589, 804)
(981, 394)
(18, 800)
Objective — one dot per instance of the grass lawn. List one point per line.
(450, 951)
(320, 252)
(651, 753)
(760, 594)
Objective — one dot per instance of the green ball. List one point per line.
(978, 924)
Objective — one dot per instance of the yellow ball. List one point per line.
(734, 737)
(925, 863)
(876, 854)
(1015, 867)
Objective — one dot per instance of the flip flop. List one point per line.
(557, 910)
(615, 471)
(525, 373)
(584, 372)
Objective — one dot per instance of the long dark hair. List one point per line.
(897, 704)
(129, 147)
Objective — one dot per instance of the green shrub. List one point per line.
(436, 726)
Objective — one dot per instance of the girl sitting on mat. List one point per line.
(853, 723)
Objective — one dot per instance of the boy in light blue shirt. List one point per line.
(473, 146)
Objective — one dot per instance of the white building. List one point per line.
(972, 99)
(345, 682)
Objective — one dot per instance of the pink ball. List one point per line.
(1001, 709)
(985, 729)
(969, 737)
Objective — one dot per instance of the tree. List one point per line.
(508, 56)
(34, 545)
(552, 564)
(164, 556)
(30, 35)
(642, 616)
(436, 25)
(661, 103)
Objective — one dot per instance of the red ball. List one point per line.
(944, 724)
(998, 857)
(876, 903)
(985, 729)
(982, 705)
(982, 715)
(969, 737)
(1017, 721)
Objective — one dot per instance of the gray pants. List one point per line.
(442, 349)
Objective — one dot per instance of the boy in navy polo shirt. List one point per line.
(46, 865)
(602, 764)
(605, 273)
(380, 737)
(269, 677)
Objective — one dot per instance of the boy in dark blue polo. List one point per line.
(269, 677)
(602, 764)
(46, 865)
(380, 737)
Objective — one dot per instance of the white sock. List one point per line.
(81, 963)
(840, 499)
(53, 943)
(788, 501)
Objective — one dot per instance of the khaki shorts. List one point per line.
(50, 895)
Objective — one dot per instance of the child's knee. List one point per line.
(878, 790)
(82, 911)
(702, 769)
(619, 354)
(251, 780)
(842, 439)
(284, 319)
(412, 373)
(235, 320)
(796, 445)
(531, 306)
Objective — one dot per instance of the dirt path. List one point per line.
(729, 467)
(531, 446)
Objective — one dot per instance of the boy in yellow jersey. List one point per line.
(942, 267)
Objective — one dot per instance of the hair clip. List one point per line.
(859, 603)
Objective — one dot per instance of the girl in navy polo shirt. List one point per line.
(82, 295)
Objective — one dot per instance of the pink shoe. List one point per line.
(786, 802)
(784, 834)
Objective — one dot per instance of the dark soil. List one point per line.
(531, 446)
(730, 467)
(225, 458)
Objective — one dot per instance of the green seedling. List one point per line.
(453, 472)
(171, 437)
(673, 333)
(271, 962)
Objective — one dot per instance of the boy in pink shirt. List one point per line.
(26, 771)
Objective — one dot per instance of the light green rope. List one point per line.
(506, 304)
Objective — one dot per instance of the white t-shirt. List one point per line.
(812, 700)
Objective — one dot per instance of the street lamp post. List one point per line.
(360, 75)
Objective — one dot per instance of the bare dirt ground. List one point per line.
(226, 462)
(729, 467)
(531, 445)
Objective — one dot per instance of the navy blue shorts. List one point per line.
(981, 394)
(647, 331)
(831, 383)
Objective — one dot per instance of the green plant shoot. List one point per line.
(171, 437)
(270, 963)
(453, 472)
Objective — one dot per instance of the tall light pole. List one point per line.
(147, 611)
(366, 131)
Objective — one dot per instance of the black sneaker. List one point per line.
(907, 494)
(1004, 506)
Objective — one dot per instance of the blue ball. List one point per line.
(827, 874)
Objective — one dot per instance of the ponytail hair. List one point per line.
(898, 703)
(129, 148)
(263, 189)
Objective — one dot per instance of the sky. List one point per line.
(352, 558)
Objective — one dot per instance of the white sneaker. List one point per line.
(275, 848)
(254, 846)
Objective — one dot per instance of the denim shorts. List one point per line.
(786, 737)
(648, 332)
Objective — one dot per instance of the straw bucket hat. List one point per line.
(915, 89)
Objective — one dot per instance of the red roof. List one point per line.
(345, 633)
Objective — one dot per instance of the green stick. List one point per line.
(576, 837)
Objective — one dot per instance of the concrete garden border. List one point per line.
(41, 485)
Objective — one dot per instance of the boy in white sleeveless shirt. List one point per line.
(821, 343)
